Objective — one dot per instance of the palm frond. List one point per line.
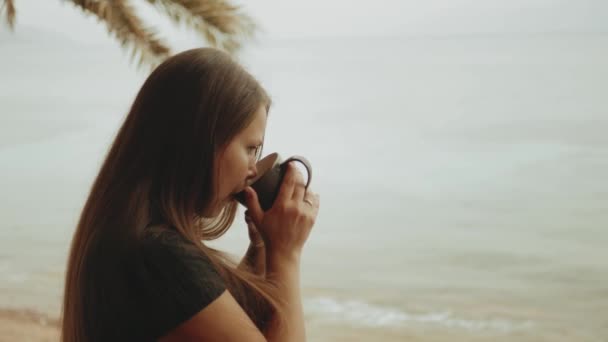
(10, 12)
(122, 22)
(221, 24)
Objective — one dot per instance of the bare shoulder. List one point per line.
(222, 320)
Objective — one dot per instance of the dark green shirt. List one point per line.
(172, 282)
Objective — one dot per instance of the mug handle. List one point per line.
(304, 162)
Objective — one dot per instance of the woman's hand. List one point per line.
(286, 226)
(255, 238)
(255, 257)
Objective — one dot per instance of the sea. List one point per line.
(463, 179)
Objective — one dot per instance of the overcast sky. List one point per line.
(305, 18)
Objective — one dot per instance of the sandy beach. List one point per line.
(27, 325)
(30, 326)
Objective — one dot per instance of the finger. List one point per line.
(254, 235)
(249, 220)
(253, 205)
(317, 205)
(288, 185)
(312, 199)
(317, 201)
(253, 230)
(300, 189)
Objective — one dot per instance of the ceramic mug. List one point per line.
(271, 170)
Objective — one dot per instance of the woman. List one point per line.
(138, 269)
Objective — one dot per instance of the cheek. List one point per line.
(236, 171)
(240, 170)
(240, 161)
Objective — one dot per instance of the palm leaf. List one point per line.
(10, 12)
(220, 23)
(122, 22)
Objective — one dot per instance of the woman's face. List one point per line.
(236, 163)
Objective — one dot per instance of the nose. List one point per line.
(252, 172)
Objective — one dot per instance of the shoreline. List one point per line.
(34, 326)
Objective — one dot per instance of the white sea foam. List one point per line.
(361, 313)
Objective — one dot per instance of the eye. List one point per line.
(254, 150)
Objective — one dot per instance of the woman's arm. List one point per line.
(223, 320)
(285, 228)
(284, 271)
(254, 259)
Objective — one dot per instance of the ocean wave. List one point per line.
(358, 312)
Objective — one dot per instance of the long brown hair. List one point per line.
(161, 165)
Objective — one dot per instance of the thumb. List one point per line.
(253, 205)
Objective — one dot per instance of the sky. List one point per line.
(331, 18)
